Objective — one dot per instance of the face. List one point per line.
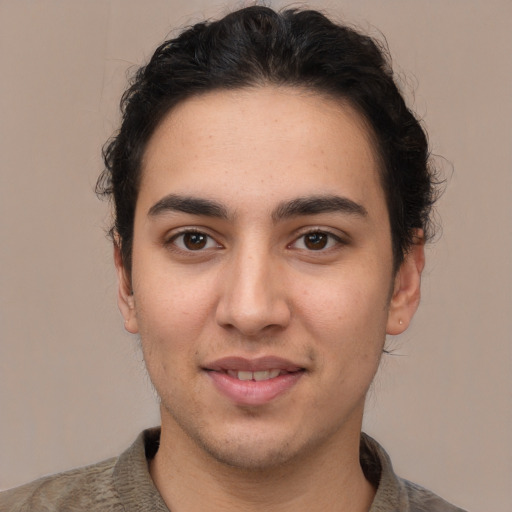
(262, 280)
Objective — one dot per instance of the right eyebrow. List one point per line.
(188, 204)
(317, 204)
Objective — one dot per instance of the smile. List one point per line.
(256, 376)
(253, 382)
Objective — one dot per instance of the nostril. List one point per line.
(252, 321)
(252, 297)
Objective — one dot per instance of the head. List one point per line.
(271, 195)
(255, 47)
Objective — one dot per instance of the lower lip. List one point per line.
(250, 392)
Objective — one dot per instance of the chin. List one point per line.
(248, 454)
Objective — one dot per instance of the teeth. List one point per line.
(269, 374)
(257, 376)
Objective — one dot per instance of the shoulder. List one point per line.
(90, 488)
(114, 485)
(394, 493)
(423, 500)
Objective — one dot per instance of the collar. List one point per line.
(138, 493)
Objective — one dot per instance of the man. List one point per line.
(272, 195)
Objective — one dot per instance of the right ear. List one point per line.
(125, 298)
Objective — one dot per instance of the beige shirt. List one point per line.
(123, 484)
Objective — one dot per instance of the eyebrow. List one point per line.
(187, 204)
(313, 205)
(300, 206)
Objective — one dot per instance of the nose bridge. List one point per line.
(253, 296)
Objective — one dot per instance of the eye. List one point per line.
(316, 241)
(193, 241)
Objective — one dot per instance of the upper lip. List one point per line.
(252, 365)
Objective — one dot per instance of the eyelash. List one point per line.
(172, 242)
(331, 241)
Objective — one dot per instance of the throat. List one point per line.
(189, 479)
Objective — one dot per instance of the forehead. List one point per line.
(271, 142)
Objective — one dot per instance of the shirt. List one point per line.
(124, 484)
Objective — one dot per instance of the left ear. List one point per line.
(406, 292)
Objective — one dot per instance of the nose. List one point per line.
(254, 296)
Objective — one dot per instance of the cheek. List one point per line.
(169, 326)
(169, 295)
(172, 314)
(345, 308)
(347, 319)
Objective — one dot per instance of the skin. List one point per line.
(257, 289)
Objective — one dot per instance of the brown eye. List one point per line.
(193, 241)
(316, 241)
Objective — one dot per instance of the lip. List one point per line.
(251, 392)
(252, 365)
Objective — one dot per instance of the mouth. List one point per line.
(256, 376)
(253, 381)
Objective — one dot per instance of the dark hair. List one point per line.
(257, 46)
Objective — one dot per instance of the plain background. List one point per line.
(73, 388)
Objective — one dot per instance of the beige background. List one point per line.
(73, 389)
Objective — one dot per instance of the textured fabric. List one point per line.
(123, 484)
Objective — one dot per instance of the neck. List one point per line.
(329, 478)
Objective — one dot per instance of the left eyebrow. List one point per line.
(187, 204)
(313, 205)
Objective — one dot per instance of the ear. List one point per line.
(406, 293)
(125, 299)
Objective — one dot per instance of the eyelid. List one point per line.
(170, 239)
(339, 238)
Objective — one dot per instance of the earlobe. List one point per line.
(125, 298)
(406, 293)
